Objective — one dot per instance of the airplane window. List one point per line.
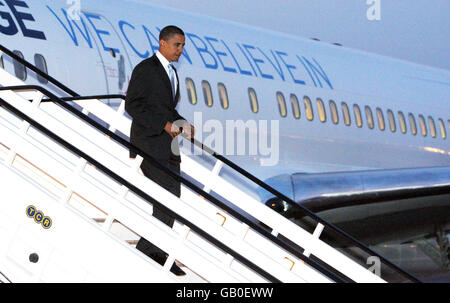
(357, 112)
(223, 95)
(401, 119)
(192, 93)
(346, 114)
(334, 112)
(281, 104)
(1, 62)
(369, 117)
(19, 69)
(40, 63)
(391, 119)
(207, 93)
(380, 117)
(253, 100)
(412, 124)
(432, 127)
(308, 108)
(321, 108)
(423, 126)
(295, 106)
(442, 129)
(121, 67)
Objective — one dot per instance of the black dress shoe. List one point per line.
(177, 271)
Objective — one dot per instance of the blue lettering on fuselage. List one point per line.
(277, 68)
(121, 25)
(211, 52)
(257, 60)
(11, 29)
(69, 27)
(212, 42)
(289, 67)
(100, 32)
(205, 54)
(242, 71)
(150, 36)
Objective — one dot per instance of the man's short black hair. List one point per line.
(169, 31)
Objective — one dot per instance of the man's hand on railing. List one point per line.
(172, 129)
(189, 130)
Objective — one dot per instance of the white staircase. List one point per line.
(96, 220)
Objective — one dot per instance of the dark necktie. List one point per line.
(172, 79)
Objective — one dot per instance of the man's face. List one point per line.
(172, 48)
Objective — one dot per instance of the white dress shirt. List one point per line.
(165, 63)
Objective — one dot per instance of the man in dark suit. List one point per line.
(152, 96)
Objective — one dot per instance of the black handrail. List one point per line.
(142, 194)
(94, 97)
(332, 274)
(232, 165)
(303, 209)
(38, 71)
(294, 205)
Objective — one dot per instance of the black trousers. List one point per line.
(173, 186)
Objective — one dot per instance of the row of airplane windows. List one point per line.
(20, 71)
(425, 126)
(39, 60)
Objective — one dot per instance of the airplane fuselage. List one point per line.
(324, 107)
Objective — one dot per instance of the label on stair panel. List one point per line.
(39, 217)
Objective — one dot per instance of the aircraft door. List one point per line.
(115, 59)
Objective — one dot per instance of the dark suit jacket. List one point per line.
(151, 104)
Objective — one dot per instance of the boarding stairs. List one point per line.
(58, 162)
